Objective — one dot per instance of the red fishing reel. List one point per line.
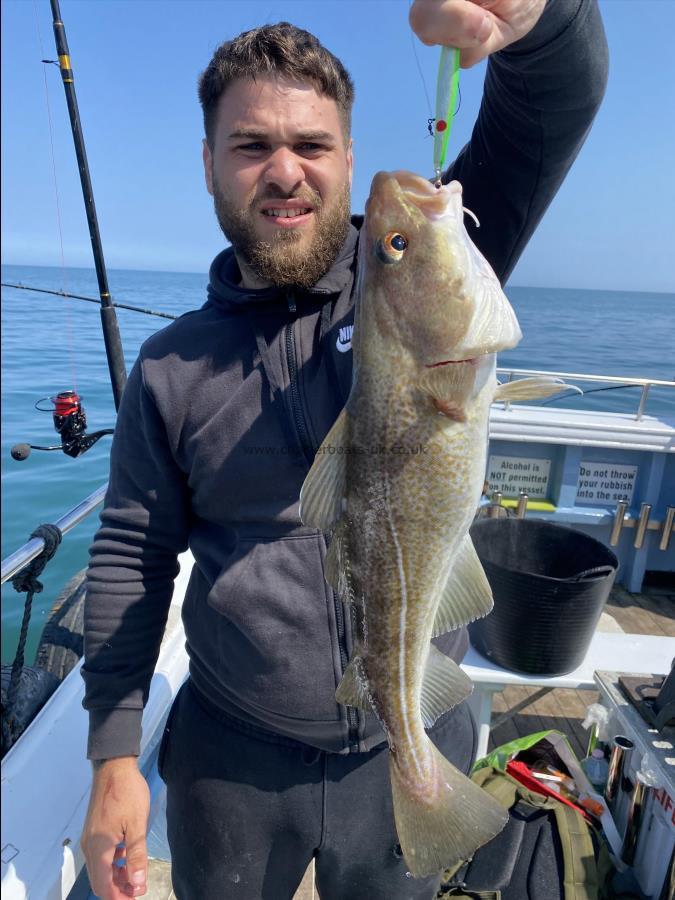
(69, 418)
(70, 422)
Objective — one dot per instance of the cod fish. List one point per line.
(397, 482)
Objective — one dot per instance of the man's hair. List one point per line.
(280, 49)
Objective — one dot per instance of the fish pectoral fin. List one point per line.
(445, 386)
(353, 688)
(444, 686)
(467, 594)
(325, 486)
(532, 389)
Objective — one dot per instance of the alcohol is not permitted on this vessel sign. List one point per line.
(513, 474)
(605, 482)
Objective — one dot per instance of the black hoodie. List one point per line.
(225, 409)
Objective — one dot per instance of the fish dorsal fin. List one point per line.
(321, 494)
(336, 568)
(353, 688)
(466, 595)
(444, 686)
(535, 388)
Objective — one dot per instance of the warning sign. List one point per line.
(513, 474)
(605, 483)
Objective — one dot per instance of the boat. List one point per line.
(611, 475)
(557, 463)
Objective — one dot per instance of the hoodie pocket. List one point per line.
(279, 648)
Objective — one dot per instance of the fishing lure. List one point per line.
(447, 88)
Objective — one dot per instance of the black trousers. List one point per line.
(246, 815)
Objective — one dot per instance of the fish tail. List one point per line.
(444, 822)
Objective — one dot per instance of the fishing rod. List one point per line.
(68, 411)
(140, 309)
(111, 332)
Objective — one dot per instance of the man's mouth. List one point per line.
(286, 213)
(291, 213)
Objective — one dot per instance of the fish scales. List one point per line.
(404, 554)
(397, 481)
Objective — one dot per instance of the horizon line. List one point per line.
(206, 274)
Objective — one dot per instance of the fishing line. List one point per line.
(69, 325)
(430, 120)
(448, 103)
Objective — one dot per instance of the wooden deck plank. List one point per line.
(502, 734)
(632, 620)
(660, 611)
(633, 616)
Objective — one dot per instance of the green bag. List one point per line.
(547, 851)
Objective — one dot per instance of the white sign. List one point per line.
(513, 474)
(605, 483)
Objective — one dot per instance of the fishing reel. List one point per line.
(70, 422)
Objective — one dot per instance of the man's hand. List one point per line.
(476, 27)
(118, 814)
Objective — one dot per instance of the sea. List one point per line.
(51, 344)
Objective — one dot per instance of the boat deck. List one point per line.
(519, 711)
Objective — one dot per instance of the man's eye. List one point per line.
(254, 145)
(309, 147)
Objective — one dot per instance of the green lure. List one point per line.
(447, 88)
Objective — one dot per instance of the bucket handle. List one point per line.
(592, 573)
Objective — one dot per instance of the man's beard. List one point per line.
(284, 260)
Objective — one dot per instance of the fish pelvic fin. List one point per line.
(336, 568)
(467, 594)
(353, 688)
(325, 486)
(535, 388)
(444, 822)
(444, 686)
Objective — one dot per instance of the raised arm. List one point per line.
(546, 76)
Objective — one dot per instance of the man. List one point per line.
(264, 769)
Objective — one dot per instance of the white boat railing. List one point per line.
(34, 547)
(628, 381)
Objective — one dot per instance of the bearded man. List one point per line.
(220, 421)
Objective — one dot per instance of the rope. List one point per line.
(27, 581)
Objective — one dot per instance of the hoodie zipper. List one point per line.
(303, 434)
(291, 361)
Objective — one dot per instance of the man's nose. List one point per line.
(284, 169)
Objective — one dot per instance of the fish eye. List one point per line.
(391, 247)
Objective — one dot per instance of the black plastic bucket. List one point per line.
(550, 584)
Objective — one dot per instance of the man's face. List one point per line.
(280, 174)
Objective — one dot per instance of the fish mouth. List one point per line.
(433, 202)
(472, 360)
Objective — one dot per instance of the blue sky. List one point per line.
(136, 67)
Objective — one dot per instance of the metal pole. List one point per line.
(21, 557)
(111, 332)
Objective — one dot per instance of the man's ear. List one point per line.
(208, 166)
(350, 161)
